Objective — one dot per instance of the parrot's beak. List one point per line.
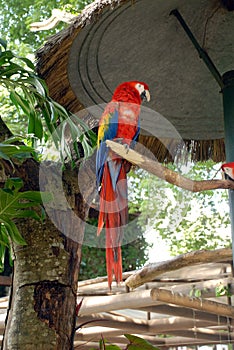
(145, 96)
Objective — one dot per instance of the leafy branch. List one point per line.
(16, 205)
(30, 96)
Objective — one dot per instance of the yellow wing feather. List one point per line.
(103, 127)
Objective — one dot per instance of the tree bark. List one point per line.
(42, 308)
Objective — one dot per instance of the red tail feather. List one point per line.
(114, 212)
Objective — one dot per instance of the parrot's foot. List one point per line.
(119, 140)
(127, 148)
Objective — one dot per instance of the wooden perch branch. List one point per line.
(151, 271)
(201, 304)
(166, 174)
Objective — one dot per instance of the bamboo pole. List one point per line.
(201, 304)
(205, 335)
(171, 310)
(91, 305)
(166, 174)
(151, 271)
(126, 324)
(207, 288)
(130, 325)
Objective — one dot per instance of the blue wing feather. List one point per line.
(102, 151)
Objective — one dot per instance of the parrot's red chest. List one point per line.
(127, 122)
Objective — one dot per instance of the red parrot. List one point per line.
(119, 122)
(228, 169)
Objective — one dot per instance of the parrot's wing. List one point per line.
(107, 130)
(136, 135)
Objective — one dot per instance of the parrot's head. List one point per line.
(228, 169)
(132, 91)
(143, 90)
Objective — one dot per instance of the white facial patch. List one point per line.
(140, 88)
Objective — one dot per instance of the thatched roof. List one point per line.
(116, 40)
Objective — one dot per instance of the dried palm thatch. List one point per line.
(116, 40)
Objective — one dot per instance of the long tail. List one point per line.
(114, 214)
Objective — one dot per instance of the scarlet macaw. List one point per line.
(119, 122)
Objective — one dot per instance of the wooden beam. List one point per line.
(151, 271)
(201, 304)
(166, 174)
(133, 300)
(207, 289)
(5, 280)
(182, 341)
(188, 313)
(129, 325)
(126, 324)
(94, 333)
(196, 334)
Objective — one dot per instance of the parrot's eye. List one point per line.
(139, 87)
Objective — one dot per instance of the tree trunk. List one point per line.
(42, 305)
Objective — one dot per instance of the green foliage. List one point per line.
(134, 249)
(222, 290)
(8, 150)
(134, 256)
(135, 343)
(186, 221)
(29, 94)
(196, 292)
(18, 32)
(16, 205)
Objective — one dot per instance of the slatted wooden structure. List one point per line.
(179, 307)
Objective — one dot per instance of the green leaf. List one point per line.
(112, 347)
(19, 101)
(137, 343)
(14, 205)
(3, 43)
(13, 183)
(12, 231)
(4, 156)
(8, 150)
(36, 82)
(28, 62)
(37, 197)
(13, 202)
(31, 124)
(54, 112)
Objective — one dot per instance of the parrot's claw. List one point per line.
(119, 140)
(127, 147)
